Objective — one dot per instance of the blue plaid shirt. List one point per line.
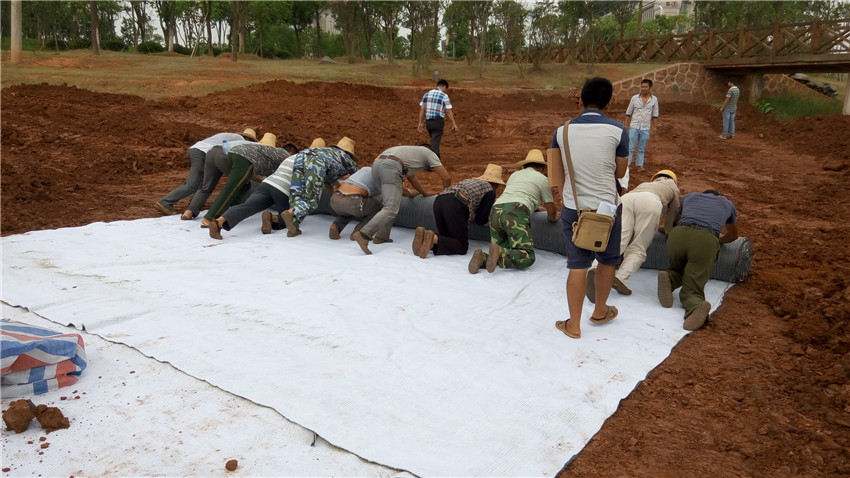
(436, 103)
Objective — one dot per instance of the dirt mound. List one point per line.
(762, 390)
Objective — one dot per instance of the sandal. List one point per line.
(562, 326)
(610, 314)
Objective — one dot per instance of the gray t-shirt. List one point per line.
(707, 210)
(216, 140)
(414, 158)
(363, 178)
(733, 94)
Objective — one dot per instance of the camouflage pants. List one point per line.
(308, 180)
(510, 228)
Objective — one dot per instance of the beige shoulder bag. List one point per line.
(592, 230)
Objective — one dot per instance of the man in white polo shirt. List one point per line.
(643, 108)
(598, 146)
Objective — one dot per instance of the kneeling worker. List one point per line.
(692, 247)
(511, 244)
(357, 197)
(644, 209)
(273, 192)
(390, 169)
(468, 201)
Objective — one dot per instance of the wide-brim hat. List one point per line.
(534, 156)
(269, 140)
(346, 144)
(666, 172)
(493, 174)
(318, 143)
(250, 134)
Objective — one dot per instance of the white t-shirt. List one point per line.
(595, 143)
(216, 140)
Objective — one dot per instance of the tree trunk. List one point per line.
(95, 27)
(15, 55)
(241, 40)
(219, 33)
(233, 47)
(319, 52)
(208, 18)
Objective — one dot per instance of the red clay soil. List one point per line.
(763, 389)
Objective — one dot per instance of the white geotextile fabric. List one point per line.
(415, 364)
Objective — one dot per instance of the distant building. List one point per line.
(327, 22)
(666, 8)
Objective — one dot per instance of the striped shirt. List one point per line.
(470, 192)
(733, 94)
(265, 159)
(436, 103)
(282, 177)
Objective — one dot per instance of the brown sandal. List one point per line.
(610, 314)
(562, 326)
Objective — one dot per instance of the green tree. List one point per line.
(510, 17)
(543, 32)
(418, 17)
(388, 15)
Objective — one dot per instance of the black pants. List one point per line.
(452, 218)
(435, 129)
(263, 197)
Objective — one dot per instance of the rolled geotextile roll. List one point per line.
(733, 261)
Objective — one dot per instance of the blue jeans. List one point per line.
(729, 122)
(637, 140)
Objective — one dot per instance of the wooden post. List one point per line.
(847, 96)
(15, 50)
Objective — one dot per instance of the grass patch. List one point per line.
(792, 106)
(167, 75)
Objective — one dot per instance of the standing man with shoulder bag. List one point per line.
(593, 149)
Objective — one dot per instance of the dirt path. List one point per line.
(764, 389)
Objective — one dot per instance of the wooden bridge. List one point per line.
(787, 48)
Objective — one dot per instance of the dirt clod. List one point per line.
(45, 445)
(52, 419)
(231, 465)
(19, 415)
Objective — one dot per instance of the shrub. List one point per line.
(182, 50)
(113, 44)
(150, 47)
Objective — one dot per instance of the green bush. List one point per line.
(182, 50)
(791, 106)
(150, 47)
(113, 44)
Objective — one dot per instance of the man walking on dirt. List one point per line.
(728, 109)
(707, 221)
(433, 109)
(642, 110)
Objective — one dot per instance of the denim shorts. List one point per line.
(583, 258)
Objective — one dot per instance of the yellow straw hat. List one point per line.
(250, 133)
(346, 144)
(269, 140)
(535, 156)
(493, 174)
(666, 172)
(318, 143)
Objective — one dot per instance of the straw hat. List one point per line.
(493, 174)
(535, 156)
(666, 172)
(346, 144)
(250, 133)
(318, 143)
(269, 140)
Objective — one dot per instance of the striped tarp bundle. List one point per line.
(36, 360)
